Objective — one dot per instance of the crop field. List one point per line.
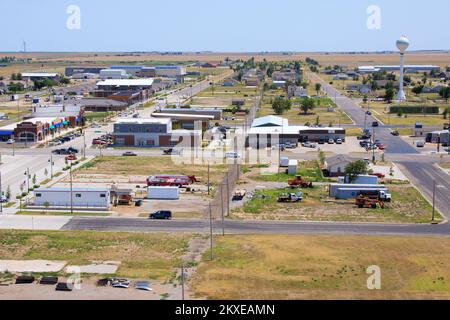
(323, 267)
(408, 205)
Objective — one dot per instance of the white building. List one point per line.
(79, 197)
(271, 130)
(113, 74)
(56, 110)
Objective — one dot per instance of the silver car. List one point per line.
(143, 285)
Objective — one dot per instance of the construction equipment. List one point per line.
(290, 197)
(239, 194)
(124, 199)
(299, 182)
(171, 180)
(366, 202)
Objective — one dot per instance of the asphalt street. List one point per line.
(245, 227)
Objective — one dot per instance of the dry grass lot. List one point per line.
(324, 267)
(408, 205)
(145, 166)
(143, 255)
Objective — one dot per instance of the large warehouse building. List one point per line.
(271, 130)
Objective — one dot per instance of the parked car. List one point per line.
(231, 155)
(321, 141)
(379, 175)
(309, 144)
(72, 150)
(338, 141)
(120, 283)
(95, 126)
(129, 154)
(420, 144)
(10, 141)
(54, 143)
(161, 214)
(143, 285)
(70, 157)
(330, 141)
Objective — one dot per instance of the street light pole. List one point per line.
(71, 189)
(51, 166)
(1, 194)
(210, 232)
(373, 145)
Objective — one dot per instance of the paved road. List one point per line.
(245, 227)
(393, 144)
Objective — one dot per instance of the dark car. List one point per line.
(72, 150)
(395, 133)
(161, 214)
(375, 124)
(129, 154)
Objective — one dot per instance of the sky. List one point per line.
(223, 25)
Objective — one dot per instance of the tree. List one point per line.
(280, 105)
(445, 93)
(318, 87)
(34, 179)
(307, 104)
(389, 95)
(8, 192)
(322, 157)
(355, 168)
(46, 205)
(417, 89)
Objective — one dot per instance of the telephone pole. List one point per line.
(210, 232)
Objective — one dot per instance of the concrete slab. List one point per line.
(31, 265)
(107, 267)
(33, 222)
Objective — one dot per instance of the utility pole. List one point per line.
(210, 232)
(71, 189)
(373, 145)
(227, 195)
(182, 282)
(84, 145)
(51, 165)
(27, 173)
(208, 179)
(221, 207)
(434, 193)
(14, 146)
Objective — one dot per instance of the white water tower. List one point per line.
(402, 45)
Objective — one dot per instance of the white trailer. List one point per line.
(334, 187)
(166, 193)
(284, 161)
(79, 197)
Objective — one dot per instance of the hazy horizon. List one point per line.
(223, 26)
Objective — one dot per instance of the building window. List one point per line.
(102, 195)
(78, 195)
(38, 195)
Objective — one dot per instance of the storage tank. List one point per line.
(167, 193)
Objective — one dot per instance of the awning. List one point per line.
(6, 133)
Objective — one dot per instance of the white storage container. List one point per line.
(168, 193)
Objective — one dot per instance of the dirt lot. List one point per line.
(324, 267)
(153, 257)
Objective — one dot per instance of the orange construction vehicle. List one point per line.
(367, 202)
(299, 182)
